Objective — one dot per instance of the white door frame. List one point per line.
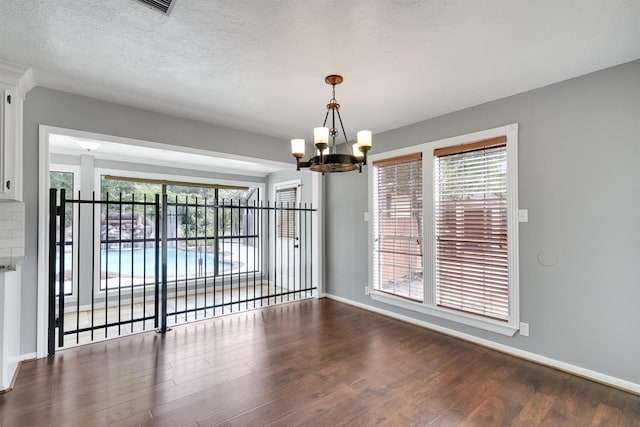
(317, 227)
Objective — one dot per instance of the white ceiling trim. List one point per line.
(145, 151)
(19, 75)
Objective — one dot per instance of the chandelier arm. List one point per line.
(346, 140)
(326, 116)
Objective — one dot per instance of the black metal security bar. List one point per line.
(153, 264)
(233, 268)
(83, 300)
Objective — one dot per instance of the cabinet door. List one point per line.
(8, 123)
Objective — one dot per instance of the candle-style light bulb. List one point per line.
(321, 136)
(297, 147)
(356, 151)
(364, 138)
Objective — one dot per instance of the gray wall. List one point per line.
(579, 149)
(54, 108)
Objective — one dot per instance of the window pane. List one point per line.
(210, 232)
(285, 219)
(238, 219)
(471, 232)
(398, 227)
(64, 181)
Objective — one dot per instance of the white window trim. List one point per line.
(285, 185)
(98, 172)
(75, 170)
(429, 305)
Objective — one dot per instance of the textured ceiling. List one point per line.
(259, 65)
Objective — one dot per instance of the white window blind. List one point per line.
(472, 264)
(286, 219)
(398, 226)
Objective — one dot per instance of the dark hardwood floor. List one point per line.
(315, 362)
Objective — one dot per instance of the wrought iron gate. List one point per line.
(123, 266)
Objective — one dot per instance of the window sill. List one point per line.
(443, 313)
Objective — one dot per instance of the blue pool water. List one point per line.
(187, 262)
(180, 262)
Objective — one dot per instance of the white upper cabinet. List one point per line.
(15, 82)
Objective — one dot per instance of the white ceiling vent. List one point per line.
(163, 6)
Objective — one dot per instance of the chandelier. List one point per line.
(326, 158)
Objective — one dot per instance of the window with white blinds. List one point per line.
(462, 263)
(470, 211)
(286, 219)
(398, 226)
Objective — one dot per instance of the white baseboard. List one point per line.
(533, 357)
(21, 358)
(28, 356)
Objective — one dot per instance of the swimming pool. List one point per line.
(180, 262)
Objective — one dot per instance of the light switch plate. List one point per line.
(523, 215)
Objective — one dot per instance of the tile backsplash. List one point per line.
(11, 230)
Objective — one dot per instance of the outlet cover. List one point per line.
(366, 290)
(524, 329)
